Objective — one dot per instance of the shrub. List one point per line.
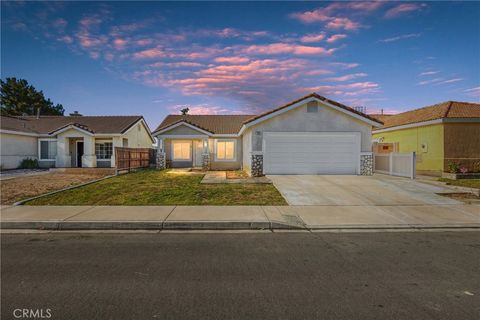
(28, 163)
(453, 167)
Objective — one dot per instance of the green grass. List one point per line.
(153, 187)
(470, 183)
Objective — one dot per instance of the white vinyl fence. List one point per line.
(395, 164)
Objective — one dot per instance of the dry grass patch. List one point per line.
(237, 174)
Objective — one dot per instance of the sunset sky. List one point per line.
(154, 58)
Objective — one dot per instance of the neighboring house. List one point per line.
(70, 141)
(439, 134)
(312, 135)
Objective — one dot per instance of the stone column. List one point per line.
(205, 155)
(257, 164)
(161, 161)
(366, 163)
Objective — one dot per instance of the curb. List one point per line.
(211, 225)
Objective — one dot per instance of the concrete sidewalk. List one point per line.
(239, 217)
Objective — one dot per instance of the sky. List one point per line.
(155, 58)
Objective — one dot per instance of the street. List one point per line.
(285, 275)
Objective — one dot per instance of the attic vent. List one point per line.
(312, 107)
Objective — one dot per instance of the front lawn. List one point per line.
(470, 183)
(153, 187)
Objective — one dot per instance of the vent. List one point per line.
(312, 107)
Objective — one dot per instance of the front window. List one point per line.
(225, 150)
(181, 151)
(103, 150)
(48, 149)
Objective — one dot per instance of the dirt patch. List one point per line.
(469, 198)
(21, 188)
(237, 174)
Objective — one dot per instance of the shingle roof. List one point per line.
(231, 124)
(449, 109)
(49, 124)
(319, 97)
(217, 124)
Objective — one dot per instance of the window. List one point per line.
(103, 150)
(226, 150)
(181, 151)
(48, 149)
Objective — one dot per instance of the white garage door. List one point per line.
(311, 153)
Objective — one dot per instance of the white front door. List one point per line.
(311, 152)
(198, 147)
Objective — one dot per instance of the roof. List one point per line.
(231, 124)
(50, 124)
(319, 97)
(449, 109)
(216, 124)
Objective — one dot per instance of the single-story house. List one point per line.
(311, 135)
(69, 141)
(439, 134)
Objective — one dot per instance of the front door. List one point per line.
(79, 154)
(198, 153)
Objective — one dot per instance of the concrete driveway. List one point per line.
(376, 190)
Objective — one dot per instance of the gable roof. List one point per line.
(50, 124)
(216, 124)
(449, 109)
(318, 97)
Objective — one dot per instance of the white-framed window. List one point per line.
(103, 150)
(47, 149)
(181, 150)
(225, 150)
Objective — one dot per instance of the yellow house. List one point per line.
(444, 133)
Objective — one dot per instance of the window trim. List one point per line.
(173, 150)
(234, 150)
(40, 149)
(104, 141)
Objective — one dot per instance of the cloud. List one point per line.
(343, 65)
(232, 60)
(120, 43)
(282, 48)
(401, 37)
(422, 83)
(348, 77)
(313, 37)
(203, 109)
(428, 73)
(450, 81)
(473, 92)
(336, 37)
(343, 23)
(149, 54)
(403, 9)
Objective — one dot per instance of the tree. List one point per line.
(184, 111)
(18, 98)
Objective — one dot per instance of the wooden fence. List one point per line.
(133, 158)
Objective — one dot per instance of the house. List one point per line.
(311, 135)
(439, 134)
(70, 141)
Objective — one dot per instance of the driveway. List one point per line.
(376, 190)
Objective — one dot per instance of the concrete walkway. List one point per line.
(213, 177)
(240, 217)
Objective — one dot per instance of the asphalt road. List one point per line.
(405, 275)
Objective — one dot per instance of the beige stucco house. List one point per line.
(311, 135)
(70, 141)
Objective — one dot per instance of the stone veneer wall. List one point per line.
(366, 164)
(205, 161)
(257, 165)
(161, 160)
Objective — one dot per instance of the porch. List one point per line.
(184, 152)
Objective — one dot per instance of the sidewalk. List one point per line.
(239, 217)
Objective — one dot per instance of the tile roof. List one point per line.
(319, 97)
(217, 124)
(49, 124)
(231, 124)
(449, 109)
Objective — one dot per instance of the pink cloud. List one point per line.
(144, 42)
(343, 23)
(149, 54)
(343, 65)
(313, 37)
(281, 48)
(336, 37)
(232, 60)
(66, 39)
(119, 43)
(60, 23)
(203, 109)
(348, 77)
(403, 9)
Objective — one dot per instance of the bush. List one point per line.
(453, 167)
(28, 163)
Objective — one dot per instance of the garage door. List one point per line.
(311, 153)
